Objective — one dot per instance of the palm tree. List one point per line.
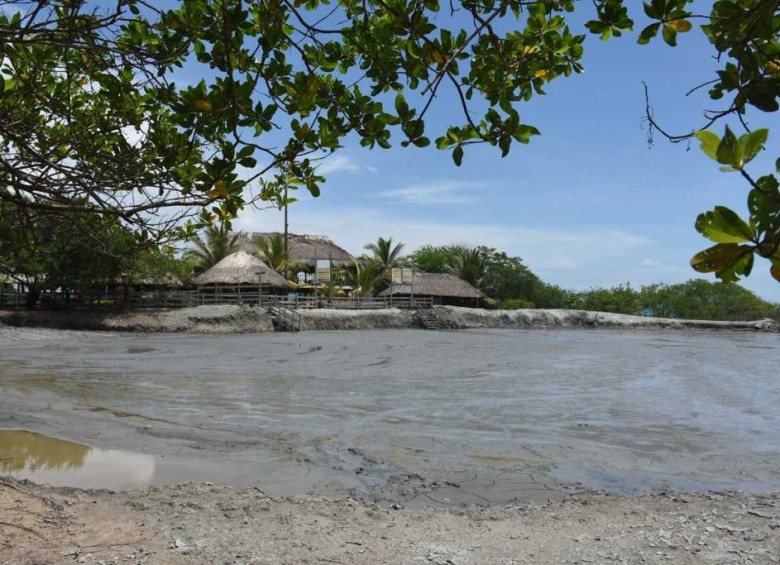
(365, 276)
(215, 244)
(387, 254)
(469, 264)
(273, 252)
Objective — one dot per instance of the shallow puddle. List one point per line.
(60, 463)
(56, 462)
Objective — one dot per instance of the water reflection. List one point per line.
(56, 462)
(20, 449)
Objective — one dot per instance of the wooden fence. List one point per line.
(163, 300)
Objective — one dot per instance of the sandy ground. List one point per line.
(205, 523)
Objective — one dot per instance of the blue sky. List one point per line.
(588, 203)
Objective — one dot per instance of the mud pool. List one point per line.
(409, 416)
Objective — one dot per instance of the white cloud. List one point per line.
(341, 163)
(437, 192)
(650, 263)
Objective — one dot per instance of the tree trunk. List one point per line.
(33, 294)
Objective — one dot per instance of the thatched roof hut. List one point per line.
(241, 268)
(303, 249)
(442, 287)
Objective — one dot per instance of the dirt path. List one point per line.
(204, 523)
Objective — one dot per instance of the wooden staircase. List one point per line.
(429, 319)
(286, 319)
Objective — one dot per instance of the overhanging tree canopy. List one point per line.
(152, 110)
(96, 104)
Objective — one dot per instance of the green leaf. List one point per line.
(719, 258)
(723, 225)
(658, 7)
(246, 151)
(680, 25)
(769, 184)
(457, 155)
(774, 270)
(442, 142)
(729, 150)
(670, 36)
(401, 107)
(595, 26)
(741, 267)
(751, 143)
(648, 33)
(764, 211)
(709, 143)
(763, 99)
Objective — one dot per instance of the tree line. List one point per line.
(509, 284)
(83, 254)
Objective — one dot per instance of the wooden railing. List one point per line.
(12, 299)
(303, 302)
(286, 318)
(163, 300)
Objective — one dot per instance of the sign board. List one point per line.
(401, 276)
(323, 270)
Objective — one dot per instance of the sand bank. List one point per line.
(249, 319)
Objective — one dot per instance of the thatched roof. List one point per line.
(434, 284)
(241, 268)
(305, 249)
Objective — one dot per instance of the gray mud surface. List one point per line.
(473, 417)
(394, 446)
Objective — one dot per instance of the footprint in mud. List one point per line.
(140, 349)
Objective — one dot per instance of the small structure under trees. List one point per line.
(441, 288)
(242, 276)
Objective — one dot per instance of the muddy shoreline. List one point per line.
(225, 319)
(57, 382)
